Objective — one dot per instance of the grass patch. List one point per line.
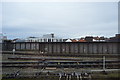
(108, 76)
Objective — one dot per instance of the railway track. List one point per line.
(62, 64)
(35, 53)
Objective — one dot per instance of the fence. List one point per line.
(66, 47)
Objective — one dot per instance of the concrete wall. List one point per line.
(67, 47)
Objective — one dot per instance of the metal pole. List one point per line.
(66, 77)
(89, 77)
(77, 77)
(60, 76)
(13, 52)
(70, 77)
(80, 77)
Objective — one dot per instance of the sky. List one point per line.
(64, 19)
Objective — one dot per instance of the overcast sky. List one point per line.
(64, 19)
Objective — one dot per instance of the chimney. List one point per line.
(52, 35)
